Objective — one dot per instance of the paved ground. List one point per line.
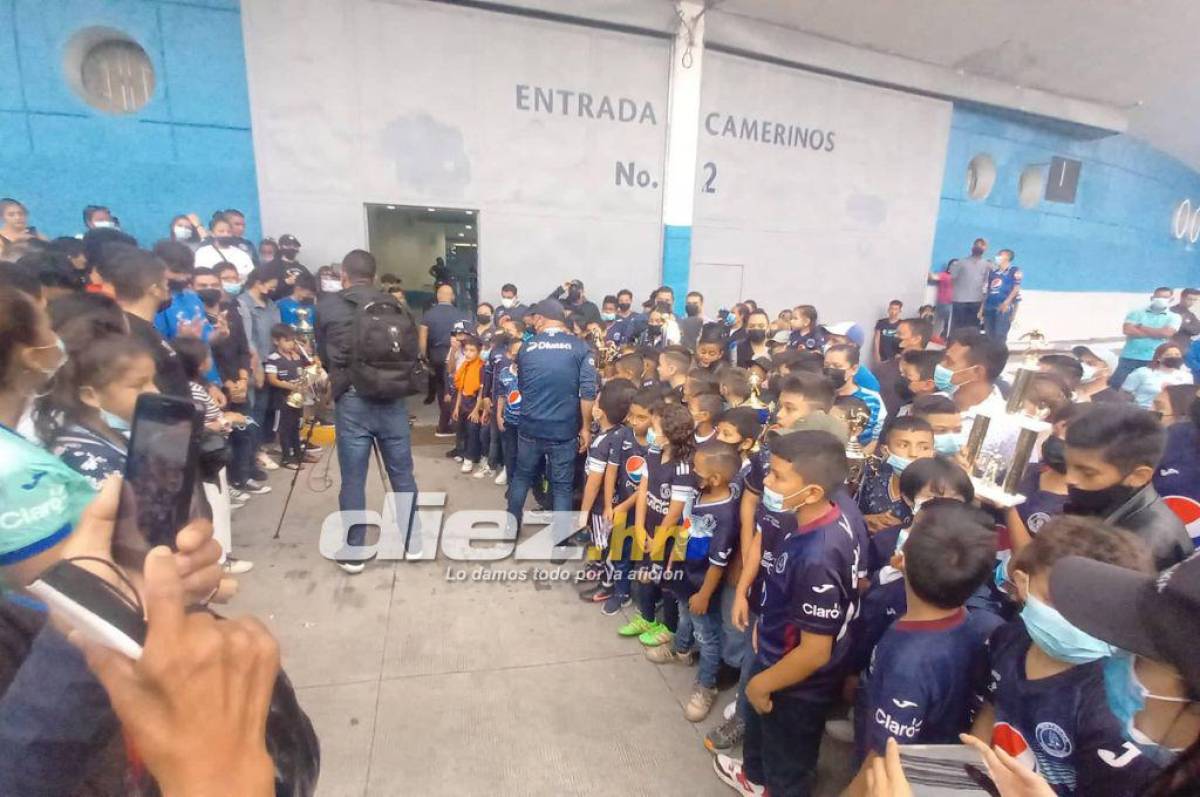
(422, 686)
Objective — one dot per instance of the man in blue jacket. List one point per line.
(556, 375)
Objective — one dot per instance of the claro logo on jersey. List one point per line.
(823, 612)
(896, 728)
(53, 506)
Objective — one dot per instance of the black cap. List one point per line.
(576, 284)
(288, 240)
(550, 309)
(459, 326)
(1153, 616)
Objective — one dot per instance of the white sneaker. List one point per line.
(444, 434)
(729, 770)
(235, 567)
(236, 495)
(730, 710)
(265, 462)
(353, 568)
(484, 472)
(467, 466)
(256, 487)
(502, 479)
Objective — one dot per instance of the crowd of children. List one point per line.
(779, 526)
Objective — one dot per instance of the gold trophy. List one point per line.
(755, 400)
(998, 448)
(303, 325)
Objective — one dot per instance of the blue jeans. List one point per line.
(735, 644)
(701, 631)
(996, 324)
(508, 447)
(490, 438)
(560, 468)
(780, 751)
(260, 411)
(361, 424)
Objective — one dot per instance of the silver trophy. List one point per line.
(999, 447)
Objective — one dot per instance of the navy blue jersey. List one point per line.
(1177, 478)
(760, 465)
(738, 485)
(1039, 505)
(601, 451)
(876, 496)
(884, 602)
(555, 370)
(712, 541)
(1061, 726)
(811, 341)
(494, 361)
(506, 386)
(669, 481)
(918, 687)
(630, 457)
(808, 580)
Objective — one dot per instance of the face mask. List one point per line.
(1060, 640)
(209, 296)
(1089, 372)
(1159, 304)
(1126, 693)
(1172, 362)
(483, 319)
(1054, 454)
(977, 250)
(654, 329)
(942, 379)
(177, 286)
(651, 436)
(756, 335)
(114, 422)
(773, 501)
(103, 224)
(904, 389)
(232, 288)
(331, 285)
(574, 295)
(608, 316)
(182, 233)
(508, 301)
(1097, 502)
(948, 443)
(527, 335)
(624, 306)
(835, 375)
(692, 310)
(289, 254)
(50, 371)
(898, 463)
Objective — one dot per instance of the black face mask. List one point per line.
(1172, 362)
(289, 254)
(904, 389)
(177, 286)
(484, 319)
(1054, 454)
(837, 376)
(624, 306)
(692, 310)
(574, 295)
(756, 335)
(210, 296)
(1097, 502)
(226, 240)
(977, 250)
(654, 329)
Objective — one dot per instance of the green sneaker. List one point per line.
(656, 634)
(638, 625)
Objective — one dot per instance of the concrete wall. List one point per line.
(1088, 263)
(415, 103)
(825, 191)
(188, 149)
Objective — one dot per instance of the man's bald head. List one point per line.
(445, 293)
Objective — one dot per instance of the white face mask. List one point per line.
(182, 233)
(331, 285)
(103, 224)
(508, 301)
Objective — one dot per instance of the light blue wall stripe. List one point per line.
(1115, 238)
(677, 261)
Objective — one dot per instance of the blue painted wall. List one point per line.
(1117, 237)
(188, 150)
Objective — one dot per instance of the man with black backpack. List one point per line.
(368, 342)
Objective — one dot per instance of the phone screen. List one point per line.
(160, 482)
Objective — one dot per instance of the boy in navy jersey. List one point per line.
(706, 409)
(710, 545)
(609, 411)
(806, 592)
(626, 469)
(907, 439)
(740, 428)
(918, 688)
(1047, 706)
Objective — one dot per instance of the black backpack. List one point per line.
(385, 361)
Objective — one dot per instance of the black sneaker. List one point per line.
(615, 603)
(603, 594)
(589, 592)
(726, 735)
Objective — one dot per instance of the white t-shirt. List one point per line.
(210, 255)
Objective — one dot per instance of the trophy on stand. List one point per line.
(303, 326)
(856, 459)
(998, 448)
(755, 400)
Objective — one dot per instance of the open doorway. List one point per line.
(415, 243)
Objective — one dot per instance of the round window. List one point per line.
(981, 176)
(110, 71)
(1031, 186)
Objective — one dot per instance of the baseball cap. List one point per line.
(1104, 355)
(549, 309)
(847, 329)
(782, 336)
(576, 284)
(289, 240)
(1156, 616)
(459, 326)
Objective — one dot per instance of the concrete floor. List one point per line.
(420, 686)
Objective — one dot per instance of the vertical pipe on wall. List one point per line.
(683, 139)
